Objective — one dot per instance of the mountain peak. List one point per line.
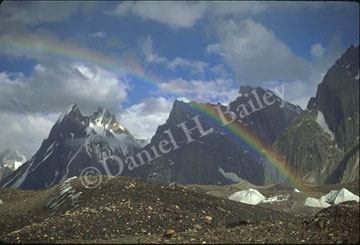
(11, 159)
(104, 119)
(101, 113)
(74, 143)
(101, 110)
(72, 109)
(245, 89)
(337, 97)
(349, 60)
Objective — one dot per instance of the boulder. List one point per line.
(241, 220)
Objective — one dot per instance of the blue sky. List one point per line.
(200, 50)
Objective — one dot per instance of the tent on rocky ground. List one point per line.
(249, 196)
(317, 203)
(336, 197)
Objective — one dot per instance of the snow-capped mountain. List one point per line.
(10, 160)
(74, 143)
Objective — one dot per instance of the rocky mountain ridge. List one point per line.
(323, 142)
(219, 157)
(76, 142)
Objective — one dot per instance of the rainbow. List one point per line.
(258, 145)
(67, 51)
(74, 53)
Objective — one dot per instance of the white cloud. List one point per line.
(29, 106)
(174, 14)
(57, 79)
(143, 119)
(194, 66)
(222, 8)
(317, 50)
(98, 34)
(294, 6)
(255, 54)
(123, 8)
(188, 13)
(251, 8)
(52, 87)
(46, 47)
(298, 92)
(146, 46)
(24, 132)
(204, 91)
(332, 51)
(34, 13)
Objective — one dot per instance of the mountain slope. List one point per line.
(126, 210)
(76, 142)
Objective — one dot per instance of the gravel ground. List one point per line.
(128, 210)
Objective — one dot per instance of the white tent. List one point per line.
(330, 197)
(340, 196)
(250, 196)
(317, 203)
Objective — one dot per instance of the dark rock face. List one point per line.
(308, 148)
(198, 161)
(218, 156)
(323, 142)
(338, 98)
(75, 142)
(347, 169)
(268, 121)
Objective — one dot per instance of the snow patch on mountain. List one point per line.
(11, 159)
(183, 99)
(50, 147)
(17, 164)
(66, 112)
(229, 175)
(322, 123)
(277, 198)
